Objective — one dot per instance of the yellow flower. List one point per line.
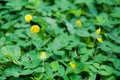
(99, 39)
(72, 65)
(98, 31)
(28, 17)
(78, 22)
(43, 55)
(35, 29)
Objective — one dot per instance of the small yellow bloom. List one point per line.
(28, 17)
(99, 39)
(72, 65)
(98, 31)
(78, 22)
(43, 55)
(35, 29)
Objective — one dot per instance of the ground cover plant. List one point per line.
(59, 39)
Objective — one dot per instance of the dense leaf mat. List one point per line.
(59, 39)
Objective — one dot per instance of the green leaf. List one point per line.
(61, 53)
(116, 63)
(117, 73)
(61, 70)
(11, 52)
(30, 60)
(84, 58)
(20, 33)
(106, 47)
(23, 43)
(72, 45)
(92, 76)
(96, 65)
(70, 28)
(114, 35)
(111, 78)
(92, 8)
(13, 71)
(34, 2)
(16, 5)
(86, 51)
(81, 67)
(102, 18)
(39, 69)
(109, 2)
(105, 70)
(93, 69)
(63, 7)
(2, 41)
(91, 44)
(75, 77)
(65, 77)
(75, 12)
(37, 43)
(48, 70)
(101, 58)
(116, 12)
(55, 65)
(6, 25)
(26, 72)
(59, 42)
(52, 28)
(109, 47)
(83, 33)
(19, 25)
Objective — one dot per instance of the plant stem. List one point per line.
(43, 66)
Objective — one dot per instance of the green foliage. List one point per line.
(67, 34)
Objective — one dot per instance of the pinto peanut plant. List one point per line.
(59, 39)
